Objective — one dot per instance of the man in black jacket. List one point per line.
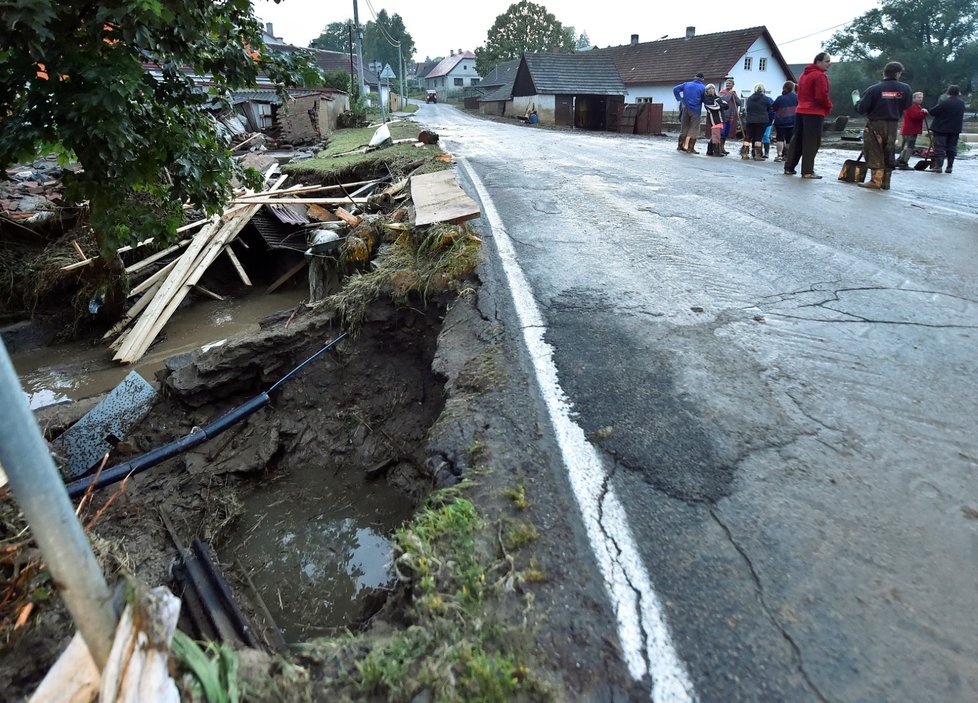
(883, 103)
(947, 121)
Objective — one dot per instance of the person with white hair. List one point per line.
(912, 127)
(760, 114)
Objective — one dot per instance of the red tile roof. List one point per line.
(677, 60)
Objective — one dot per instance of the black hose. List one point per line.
(179, 446)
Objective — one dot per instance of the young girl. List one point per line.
(715, 107)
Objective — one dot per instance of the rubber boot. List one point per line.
(680, 146)
(767, 150)
(886, 179)
(779, 148)
(723, 147)
(709, 150)
(692, 147)
(937, 166)
(876, 180)
(950, 162)
(745, 151)
(903, 161)
(758, 152)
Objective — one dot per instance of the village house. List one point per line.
(453, 74)
(497, 89)
(650, 70)
(572, 90)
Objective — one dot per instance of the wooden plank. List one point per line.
(208, 293)
(78, 250)
(139, 265)
(136, 345)
(347, 217)
(300, 201)
(132, 312)
(285, 277)
(237, 265)
(438, 198)
(148, 283)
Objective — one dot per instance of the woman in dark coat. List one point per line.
(946, 122)
(760, 113)
(784, 116)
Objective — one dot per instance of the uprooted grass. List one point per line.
(455, 643)
(334, 164)
(415, 265)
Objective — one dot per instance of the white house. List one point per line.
(650, 70)
(453, 74)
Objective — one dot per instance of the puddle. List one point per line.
(319, 551)
(79, 370)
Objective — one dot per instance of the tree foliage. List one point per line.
(524, 27)
(335, 37)
(379, 37)
(72, 79)
(932, 38)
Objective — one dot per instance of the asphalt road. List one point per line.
(779, 376)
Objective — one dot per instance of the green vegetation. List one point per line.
(936, 40)
(214, 669)
(453, 645)
(524, 27)
(72, 81)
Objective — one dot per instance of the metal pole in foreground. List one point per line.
(41, 495)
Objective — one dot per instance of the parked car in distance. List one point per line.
(431, 96)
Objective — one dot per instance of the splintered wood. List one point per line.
(438, 198)
(205, 246)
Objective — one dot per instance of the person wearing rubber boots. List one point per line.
(947, 121)
(883, 104)
(912, 127)
(690, 94)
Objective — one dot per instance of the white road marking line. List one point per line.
(642, 629)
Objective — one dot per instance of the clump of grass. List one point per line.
(518, 534)
(517, 494)
(453, 645)
(417, 264)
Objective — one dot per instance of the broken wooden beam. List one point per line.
(347, 217)
(242, 274)
(280, 281)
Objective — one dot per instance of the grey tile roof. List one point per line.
(503, 92)
(677, 60)
(502, 74)
(563, 74)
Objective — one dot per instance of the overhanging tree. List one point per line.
(72, 79)
(932, 38)
(524, 27)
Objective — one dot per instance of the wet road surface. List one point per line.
(779, 378)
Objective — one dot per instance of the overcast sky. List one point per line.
(438, 26)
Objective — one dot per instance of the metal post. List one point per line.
(400, 60)
(356, 25)
(41, 495)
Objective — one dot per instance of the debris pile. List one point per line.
(30, 190)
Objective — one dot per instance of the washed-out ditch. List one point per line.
(298, 502)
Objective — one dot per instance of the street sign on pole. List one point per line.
(388, 72)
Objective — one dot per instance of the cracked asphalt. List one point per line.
(780, 378)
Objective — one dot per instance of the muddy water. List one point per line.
(78, 370)
(316, 547)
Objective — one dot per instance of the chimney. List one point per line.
(690, 32)
(460, 52)
(268, 29)
(634, 40)
(451, 52)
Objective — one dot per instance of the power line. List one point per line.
(383, 30)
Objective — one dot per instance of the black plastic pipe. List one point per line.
(179, 446)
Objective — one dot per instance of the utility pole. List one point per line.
(400, 59)
(356, 24)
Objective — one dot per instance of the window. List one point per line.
(747, 62)
(458, 81)
(643, 100)
(762, 64)
(474, 81)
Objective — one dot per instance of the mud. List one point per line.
(303, 494)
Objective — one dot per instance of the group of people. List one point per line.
(797, 119)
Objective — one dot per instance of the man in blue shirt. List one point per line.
(690, 97)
